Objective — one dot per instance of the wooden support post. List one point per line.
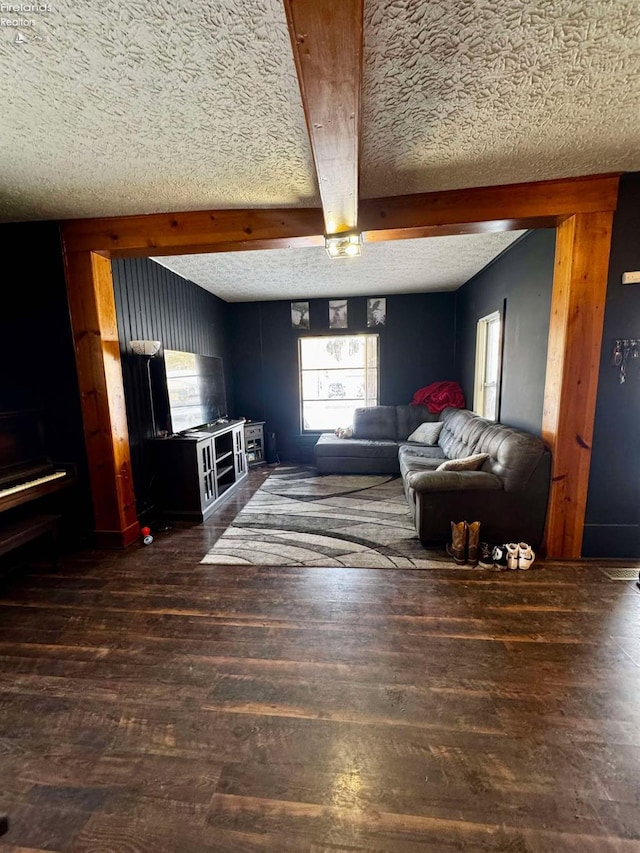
(95, 332)
(575, 336)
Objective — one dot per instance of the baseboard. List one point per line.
(117, 538)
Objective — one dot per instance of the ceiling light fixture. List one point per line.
(345, 245)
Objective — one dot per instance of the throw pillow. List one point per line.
(427, 433)
(467, 463)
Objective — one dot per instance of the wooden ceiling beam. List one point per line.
(480, 209)
(471, 211)
(327, 42)
(195, 231)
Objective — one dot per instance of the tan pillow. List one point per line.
(427, 433)
(467, 463)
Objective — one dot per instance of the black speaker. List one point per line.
(272, 450)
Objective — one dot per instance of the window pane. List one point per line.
(337, 375)
(493, 353)
(342, 351)
(331, 384)
(490, 399)
(328, 415)
(487, 368)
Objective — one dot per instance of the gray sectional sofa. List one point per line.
(378, 433)
(508, 494)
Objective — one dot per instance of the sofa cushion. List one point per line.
(414, 464)
(377, 422)
(427, 433)
(414, 448)
(408, 418)
(461, 432)
(453, 481)
(328, 445)
(513, 455)
(464, 463)
(409, 451)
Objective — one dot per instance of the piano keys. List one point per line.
(29, 490)
(26, 471)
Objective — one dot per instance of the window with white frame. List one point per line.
(337, 375)
(488, 355)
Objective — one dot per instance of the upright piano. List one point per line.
(27, 473)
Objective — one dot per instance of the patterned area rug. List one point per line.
(298, 518)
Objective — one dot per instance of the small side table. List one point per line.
(254, 443)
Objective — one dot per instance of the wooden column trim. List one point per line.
(97, 349)
(583, 244)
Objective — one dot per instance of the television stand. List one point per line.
(197, 471)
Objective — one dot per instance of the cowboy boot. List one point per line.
(457, 548)
(473, 541)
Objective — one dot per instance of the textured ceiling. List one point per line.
(399, 266)
(140, 107)
(479, 92)
(111, 108)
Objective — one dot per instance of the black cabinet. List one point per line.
(197, 471)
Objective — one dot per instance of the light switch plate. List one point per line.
(631, 277)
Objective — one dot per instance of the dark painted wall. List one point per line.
(38, 362)
(416, 348)
(520, 282)
(152, 303)
(612, 521)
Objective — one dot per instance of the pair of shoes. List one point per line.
(499, 555)
(485, 559)
(464, 545)
(519, 555)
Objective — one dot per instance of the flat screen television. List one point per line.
(195, 388)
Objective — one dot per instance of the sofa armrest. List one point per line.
(453, 481)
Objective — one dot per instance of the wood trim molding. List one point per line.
(195, 231)
(578, 300)
(95, 332)
(581, 207)
(327, 44)
(542, 204)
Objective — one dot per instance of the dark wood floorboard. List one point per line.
(149, 703)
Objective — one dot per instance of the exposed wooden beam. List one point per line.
(581, 206)
(575, 337)
(327, 40)
(451, 229)
(541, 204)
(195, 231)
(93, 320)
(477, 210)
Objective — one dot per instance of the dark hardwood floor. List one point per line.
(149, 703)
